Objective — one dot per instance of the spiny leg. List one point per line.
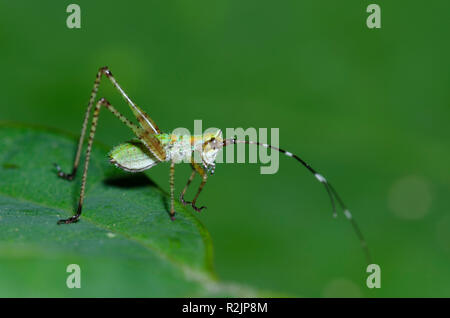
(70, 176)
(186, 187)
(144, 119)
(149, 129)
(100, 103)
(101, 71)
(172, 190)
(75, 217)
(204, 176)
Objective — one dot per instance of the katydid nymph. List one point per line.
(152, 147)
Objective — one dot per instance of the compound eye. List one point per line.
(213, 142)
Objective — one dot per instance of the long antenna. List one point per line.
(330, 189)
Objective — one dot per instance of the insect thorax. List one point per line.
(184, 148)
(178, 148)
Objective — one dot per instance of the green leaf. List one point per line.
(125, 243)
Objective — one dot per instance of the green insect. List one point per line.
(152, 147)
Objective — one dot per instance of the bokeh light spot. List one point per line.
(443, 233)
(341, 287)
(410, 198)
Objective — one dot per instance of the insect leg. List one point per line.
(71, 175)
(149, 128)
(146, 122)
(186, 187)
(204, 176)
(100, 103)
(172, 189)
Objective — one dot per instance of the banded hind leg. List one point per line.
(70, 176)
(142, 117)
(102, 102)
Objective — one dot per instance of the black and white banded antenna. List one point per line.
(329, 188)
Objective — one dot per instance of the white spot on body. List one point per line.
(287, 153)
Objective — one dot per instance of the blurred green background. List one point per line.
(368, 108)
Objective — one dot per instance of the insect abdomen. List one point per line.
(132, 156)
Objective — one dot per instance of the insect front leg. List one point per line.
(202, 172)
(186, 187)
